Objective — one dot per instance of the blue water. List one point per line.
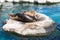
(52, 11)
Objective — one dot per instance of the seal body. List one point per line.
(22, 17)
(25, 16)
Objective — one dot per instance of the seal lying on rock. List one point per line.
(42, 27)
(24, 17)
(34, 15)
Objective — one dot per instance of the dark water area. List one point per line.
(52, 11)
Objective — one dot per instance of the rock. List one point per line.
(16, 0)
(0, 3)
(32, 1)
(39, 28)
(2, 0)
(44, 1)
(28, 0)
(41, 1)
(9, 0)
(53, 1)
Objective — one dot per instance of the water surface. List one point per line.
(52, 11)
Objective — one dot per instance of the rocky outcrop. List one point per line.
(39, 28)
(39, 1)
(43, 2)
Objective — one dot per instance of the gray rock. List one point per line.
(38, 28)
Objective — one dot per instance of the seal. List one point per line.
(24, 17)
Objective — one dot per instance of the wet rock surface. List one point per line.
(38, 28)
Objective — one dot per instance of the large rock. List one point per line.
(43, 27)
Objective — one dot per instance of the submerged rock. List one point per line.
(39, 28)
